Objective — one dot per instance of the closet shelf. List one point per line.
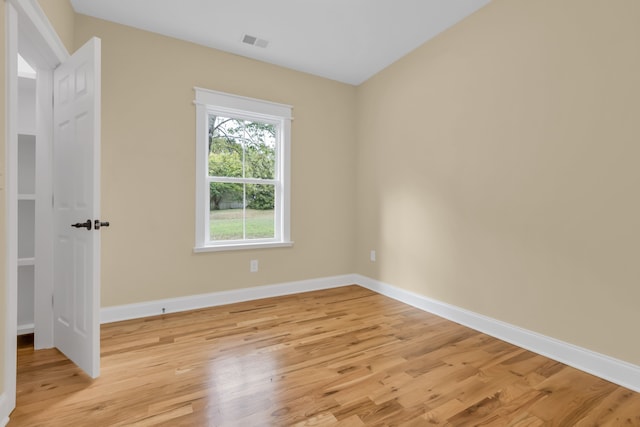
(23, 262)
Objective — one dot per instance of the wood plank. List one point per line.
(339, 357)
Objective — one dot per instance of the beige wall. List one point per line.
(62, 17)
(148, 163)
(498, 170)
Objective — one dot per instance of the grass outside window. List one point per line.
(227, 224)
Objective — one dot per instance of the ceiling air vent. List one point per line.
(254, 41)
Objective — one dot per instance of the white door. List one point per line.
(76, 200)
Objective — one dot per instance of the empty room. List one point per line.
(319, 213)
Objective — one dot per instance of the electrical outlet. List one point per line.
(372, 255)
(253, 266)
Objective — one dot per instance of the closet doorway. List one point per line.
(52, 192)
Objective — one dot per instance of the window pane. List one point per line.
(260, 219)
(260, 150)
(225, 211)
(225, 147)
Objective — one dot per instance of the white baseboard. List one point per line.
(608, 368)
(193, 302)
(26, 329)
(4, 410)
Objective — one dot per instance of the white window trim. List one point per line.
(208, 100)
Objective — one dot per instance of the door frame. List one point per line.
(28, 31)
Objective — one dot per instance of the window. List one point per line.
(242, 182)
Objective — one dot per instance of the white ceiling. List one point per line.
(343, 40)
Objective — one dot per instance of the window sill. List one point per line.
(242, 246)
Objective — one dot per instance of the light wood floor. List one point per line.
(341, 357)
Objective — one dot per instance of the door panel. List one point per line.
(76, 190)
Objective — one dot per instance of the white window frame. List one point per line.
(210, 101)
